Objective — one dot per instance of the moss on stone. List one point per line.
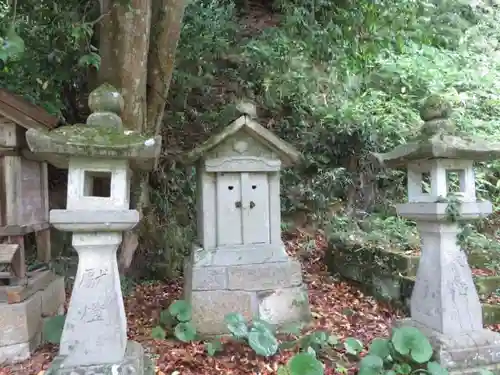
(435, 107)
(97, 136)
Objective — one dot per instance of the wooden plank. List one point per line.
(16, 230)
(35, 281)
(7, 253)
(43, 244)
(9, 134)
(24, 113)
(12, 184)
(31, 201)
(18, 264)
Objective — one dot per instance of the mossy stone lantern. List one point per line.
(441, 195)
(100, 156)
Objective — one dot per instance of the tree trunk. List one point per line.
(137, 53)
(165, 31)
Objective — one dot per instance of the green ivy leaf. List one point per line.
(410, 341)
(371, 365)
(305, 364)
(236, 324)
(180, 310)
(263, 342)
(213, 347)
(380, 348)
(158, 333)
(434, 368)
(185, 332)
(53, 328)
(353, 346)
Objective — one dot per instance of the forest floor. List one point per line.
(336, 307)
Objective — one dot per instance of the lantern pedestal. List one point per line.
(444, 304)
(96, 323)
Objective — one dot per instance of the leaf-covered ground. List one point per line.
(336, 306)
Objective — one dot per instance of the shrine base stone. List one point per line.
(463, 353)
(272, 291)
(135, 362)
(21, 324)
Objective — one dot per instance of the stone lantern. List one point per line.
(239, 262)
(99, 156)
(441, 194)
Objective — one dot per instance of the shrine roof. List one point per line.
(247, 123)
(25, 114)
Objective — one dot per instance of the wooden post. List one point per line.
(43, 245)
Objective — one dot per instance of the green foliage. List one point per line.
(53, 329)
(176, 320)
(407, 352)
(47, 45)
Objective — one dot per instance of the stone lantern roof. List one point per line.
(102, 136)
(438, 139)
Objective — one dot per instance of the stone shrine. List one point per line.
(239, 263)
(444, 304)
(99, 155)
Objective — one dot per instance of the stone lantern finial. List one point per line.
(106, 105)
(436, 112)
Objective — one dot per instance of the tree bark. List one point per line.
(138, 42)
(165, 29)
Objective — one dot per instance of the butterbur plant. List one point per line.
(407, 352)
(176, 320)
(259, 335)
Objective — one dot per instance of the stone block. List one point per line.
(135, 361)
(208, 278)
(19, 352)
(283, 306)
(264, 276)
(19, 322)
(238, 255)
(53, 297)
(209, 308)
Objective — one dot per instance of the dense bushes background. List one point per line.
(337, 79)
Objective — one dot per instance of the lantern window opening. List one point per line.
(97, 184)
(426, 183)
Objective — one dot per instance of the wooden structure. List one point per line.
(24, 200)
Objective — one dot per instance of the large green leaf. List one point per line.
(181, 310)
(371, 365)
(263, 342)
(305, 364)
(434, 368)
(236, 324)
(53, 329)
(353, 346)
(158, 333)
(409, 341)
(185, 332)
(380, 348)
(213, 346)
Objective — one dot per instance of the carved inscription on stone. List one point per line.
(92, 277)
